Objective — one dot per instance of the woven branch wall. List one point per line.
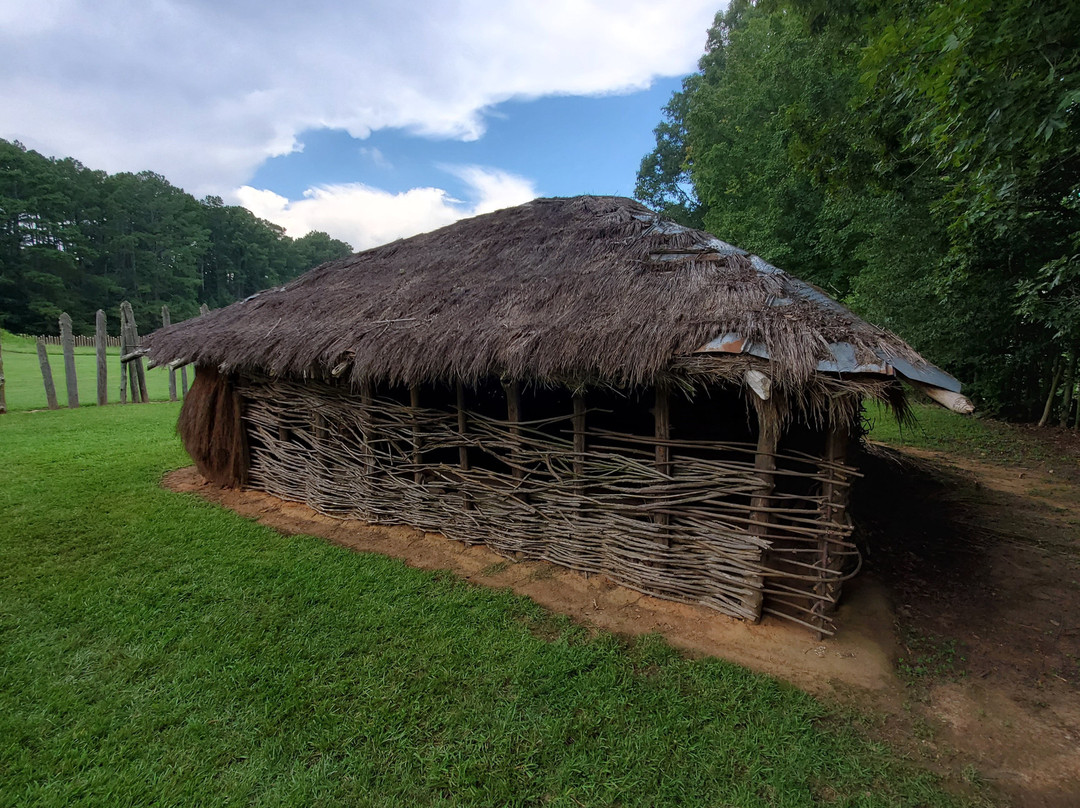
(707, 527)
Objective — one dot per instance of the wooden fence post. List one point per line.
(165, 322)
(46, 375)
(3, 400)
(67, 342)
(100, 338)
(135, 365)
(123, 368)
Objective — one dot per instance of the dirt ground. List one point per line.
(960, 644)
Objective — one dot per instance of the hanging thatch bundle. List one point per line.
(572, 379)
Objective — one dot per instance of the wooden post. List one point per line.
(46, 375)
(834, 496)
(463, 450)
(513, 415)
(579, 443)
(367, 399)
(166, 321)
(662, 421)
(765, 466)
(100, 339)
(124, 369)
(417, 454)
(3, 399)
(67, 344)
(462, 427)
(137, 371)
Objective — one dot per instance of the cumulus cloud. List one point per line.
(204, 91)
(366, 217)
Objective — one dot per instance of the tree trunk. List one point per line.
(1070, 383)
(1050, 396)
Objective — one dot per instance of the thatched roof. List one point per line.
(586, 288)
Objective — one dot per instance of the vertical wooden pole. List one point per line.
(100, 339)
(417, 454)
(67, 344)
(124, 370)
(463, 427)
(662, 422)
(463, 449)
(513, 415)
(765, 466)
(166, 321)
(834, 495)
(367, 421)
(137, 371)
(579, 443)
(183, 381)
(3, 398)
(46, 375)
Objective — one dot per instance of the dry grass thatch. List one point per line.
(587, 288)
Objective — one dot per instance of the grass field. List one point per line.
(25, 390)
(155, 649)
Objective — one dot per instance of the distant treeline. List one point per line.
(920, 160)
(77, 240)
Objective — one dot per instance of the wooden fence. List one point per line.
(80, 341)
(132, 372)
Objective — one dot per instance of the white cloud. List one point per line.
(366, 217)
(204, 92)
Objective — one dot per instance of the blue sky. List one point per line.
(568, 145)
(366, 119)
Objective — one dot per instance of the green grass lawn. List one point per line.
(155, 649)
(25, 389)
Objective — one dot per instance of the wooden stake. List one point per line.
(67, 344)
(760, 503)
(662, 420)
(834, 496)
(183, 381)
(124, 370)
(462, 427)
(513, 416)
(46, 375)
(417, 454)
(166, 321)
(463, 449)
(100, 339)
(138, 372)
(579, 443)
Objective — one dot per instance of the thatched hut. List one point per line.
(575, 380)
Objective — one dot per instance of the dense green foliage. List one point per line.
(919, 160)
(157, 650)
(76, 240)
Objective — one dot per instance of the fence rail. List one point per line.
(80, 341)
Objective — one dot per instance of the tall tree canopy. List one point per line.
(921, 160)
(76, 240)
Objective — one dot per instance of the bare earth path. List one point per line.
(962, 642)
